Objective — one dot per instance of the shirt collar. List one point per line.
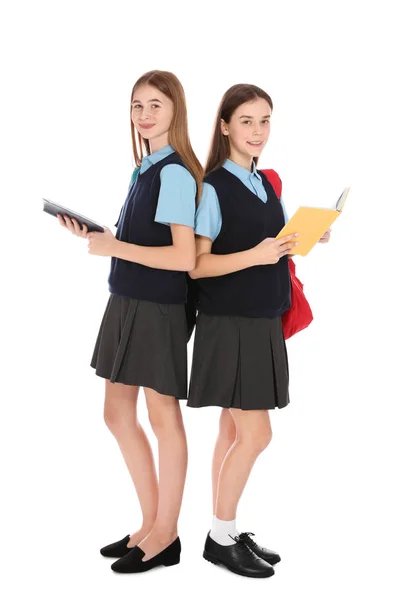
(155, 157)
(240, 172)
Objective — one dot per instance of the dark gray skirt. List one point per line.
(239, 362)
(143, 343)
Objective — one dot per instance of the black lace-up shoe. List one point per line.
(237, 558)
(268, 555)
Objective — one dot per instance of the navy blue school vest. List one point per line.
(136, 226)
(260, 291)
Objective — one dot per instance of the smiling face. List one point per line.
(248, 131)
(151, 114)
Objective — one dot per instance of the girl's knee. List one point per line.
(227, 427)
(264, 439)
(119, 412)
(116, 420)
(257, 439)
(111, 417)
(156, 419)
(165, 418)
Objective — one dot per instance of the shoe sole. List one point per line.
(165, 564)
(114, 555)
(215, 561)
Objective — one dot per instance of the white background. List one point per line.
(324, 494)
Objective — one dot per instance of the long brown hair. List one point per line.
(236, 95)
(178, 134)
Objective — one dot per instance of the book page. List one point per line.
(338, 205)
(342, 199)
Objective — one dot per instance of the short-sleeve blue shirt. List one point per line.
(177, 197)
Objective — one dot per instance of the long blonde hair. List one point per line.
(178, 134)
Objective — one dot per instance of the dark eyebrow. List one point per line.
(248, 117)
(152, 100)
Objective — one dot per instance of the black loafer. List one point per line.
(132, 562)
(117, 549)
(268, 555)
(238, 558)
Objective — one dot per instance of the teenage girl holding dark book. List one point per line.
(143, 334)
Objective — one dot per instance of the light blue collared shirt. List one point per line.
(208, 219)
(177, 197)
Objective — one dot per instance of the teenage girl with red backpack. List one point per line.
(243, 288)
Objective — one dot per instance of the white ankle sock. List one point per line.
(222, 530)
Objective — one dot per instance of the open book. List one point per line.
(311, 223)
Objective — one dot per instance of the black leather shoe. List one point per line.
(268, 555)
(117, 549)
(132, 562)
(237, 558)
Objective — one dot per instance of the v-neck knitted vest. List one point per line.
(260, 291)
(136, 225)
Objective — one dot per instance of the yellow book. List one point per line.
(311, 223)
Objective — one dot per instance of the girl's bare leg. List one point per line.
(253, 434)
(226, 438)
(120, 416)
(166, 420)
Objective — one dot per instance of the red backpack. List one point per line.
(299, 315)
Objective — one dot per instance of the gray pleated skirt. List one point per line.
(239, 362)
(143, 343)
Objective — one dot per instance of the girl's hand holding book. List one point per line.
(270, 250)
(326, 237)
(73, 226)
(102, 244)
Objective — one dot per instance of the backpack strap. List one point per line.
(274, 180)
(276, 183)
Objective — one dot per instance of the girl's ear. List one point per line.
(224, 128)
